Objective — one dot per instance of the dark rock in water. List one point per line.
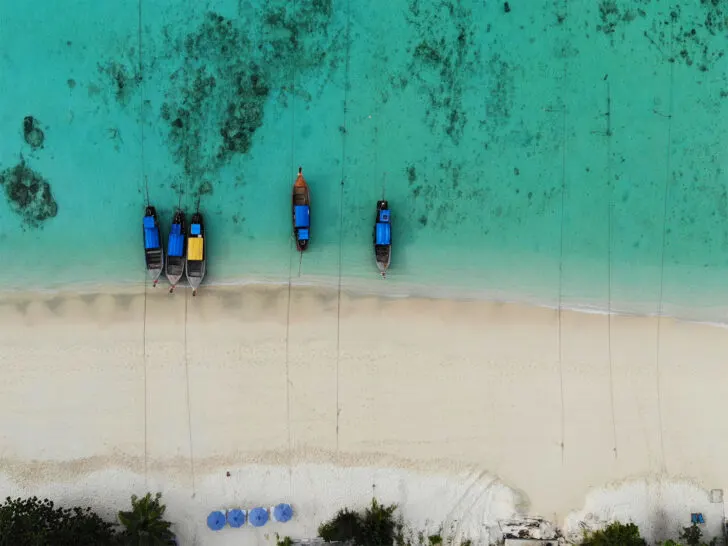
(411, 174)
(506, 7)
(28, 194)
(32, 132)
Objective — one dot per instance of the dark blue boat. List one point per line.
(301, 201)
(153, 251)
(383, 237)
(176, 250)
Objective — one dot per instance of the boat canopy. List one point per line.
(384, 215)
(176, 241)
(383, 234)
(303, 234)
(302, 218)
(151, 233)
(194, 248)
(195, 229)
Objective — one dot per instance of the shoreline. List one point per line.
(386, 290)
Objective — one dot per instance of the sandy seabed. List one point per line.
(462, 412)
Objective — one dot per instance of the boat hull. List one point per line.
(195, 277)
(383, 264)
(154, 274)
(175, 272)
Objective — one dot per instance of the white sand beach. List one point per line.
(462, 412)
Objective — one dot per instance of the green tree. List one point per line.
(376, 527)
(344, 526)
(35, 522)
(615, 534)
(691, 535)
(145, 524)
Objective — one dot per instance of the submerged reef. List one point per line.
(612, 15)
(32, 133)
(444, 58)
(694, 35)
(121, 78)
(28, 194)
(216, 99)
(499, 101)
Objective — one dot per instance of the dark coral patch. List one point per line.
(32, 132)
(216, 99)
(443, 59)
(28, 194)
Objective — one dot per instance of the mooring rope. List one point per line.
(140, 78)
(341, 211)
(666, 198)
(561, 249)
(610, 208)
(293, 67)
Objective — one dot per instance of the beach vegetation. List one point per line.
(283, 541)
(615, 534)
(144, 524)
(39, 521)
(345, 525)
(691, 536)
(375, 527)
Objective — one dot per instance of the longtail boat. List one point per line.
(176, 250)
(301, 209)
(195, 268)
(383, 237)
(153, 251)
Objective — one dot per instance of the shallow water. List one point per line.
(562, 151)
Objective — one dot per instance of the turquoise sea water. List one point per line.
(557, 150)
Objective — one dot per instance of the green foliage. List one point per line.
(36, 522)
(615, 534)
(285, 541)
(145, 524)
(691, 535)
(345, 525)
(376, 527)
(435, 540)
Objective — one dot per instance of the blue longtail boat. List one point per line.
(383, 237)
(301, 202)
(153, 251)
(176, 250)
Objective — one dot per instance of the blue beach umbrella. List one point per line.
(283, 512)
(236, 518)
(216, 520)
(258, 517)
